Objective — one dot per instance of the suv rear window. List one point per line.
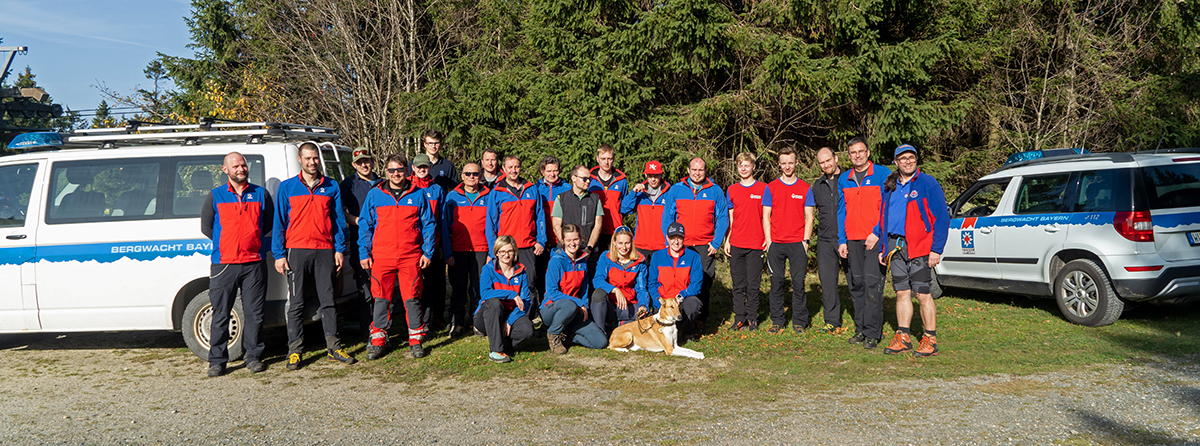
(1174, 186)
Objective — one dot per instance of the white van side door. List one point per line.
(19, 213)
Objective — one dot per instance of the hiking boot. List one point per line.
(870, 343)
(927, 348)
(477, 332)
(775, 329)
(828, 329)
(740, 326)
(456, 331)
(216, 370)
(293, 361)
(900, 344)
(799, 330)
(752, 326)
(340, 355)
(858, 338)
(499, 358)
(557, 343)
(374, 352)
(417, 350)
(256, 366)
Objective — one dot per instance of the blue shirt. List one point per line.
(898, 204)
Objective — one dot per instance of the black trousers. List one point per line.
(433, 295)
(866, 288)
(223, 284)
(829, 263)
(796, 258)
(528, 259)
(542, 263)
(311, 269)
(709, 268)
(745, 270)
(464, 277)
(490, 320)
(647, 252)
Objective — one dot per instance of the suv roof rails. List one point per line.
(207, 131)
(1116, 157)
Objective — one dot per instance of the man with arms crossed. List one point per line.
(915, 221)
(236, 216)
(823, 200)
(700, 206)
(860, 192)
(581, 208)
(308, 242)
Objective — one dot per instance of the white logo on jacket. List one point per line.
(798, 196)
(756, 197)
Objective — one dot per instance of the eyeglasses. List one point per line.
(621, 229)
(395, 170)
(470, 174)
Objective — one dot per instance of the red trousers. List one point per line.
(386, 274)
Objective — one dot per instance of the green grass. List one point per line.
(978, 333)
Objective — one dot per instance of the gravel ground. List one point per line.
(127, 388)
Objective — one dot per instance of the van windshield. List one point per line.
(1173, 186)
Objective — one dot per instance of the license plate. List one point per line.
(1194, 238)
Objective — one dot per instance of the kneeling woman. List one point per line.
(504, 299)
(620, 283)
(564, 308)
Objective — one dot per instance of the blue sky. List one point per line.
(75, 45)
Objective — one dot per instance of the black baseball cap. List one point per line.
(675, 229)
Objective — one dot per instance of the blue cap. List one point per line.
(905, 148)
(675, 229)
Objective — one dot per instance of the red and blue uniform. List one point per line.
(611, 197)
(239, 224)
(859, 204)
(493, 285)
(648, 227)
(308, 218)
(787, 210)
(437, 199)
(703, 211)
(395, 233)
(566, 278)
(548, 192)
(925, 217)
(521, 217)
(671, 276)
(746, 202)
(630, 279)
(465, 220)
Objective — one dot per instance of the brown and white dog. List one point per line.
(656, 333)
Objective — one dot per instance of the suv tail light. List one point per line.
(1135, 226)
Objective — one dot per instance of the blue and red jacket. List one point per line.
(548, 192)
(859, 204)
(647, 233)
(493, 285)
(611, 197)
(704, 212)
(238, 224)
(521, 217)
(926, 217)
(631, 280)
(437, 199)
(672, 276)
(390, 228)
(566, 278)
(308, 218)
(465, 221)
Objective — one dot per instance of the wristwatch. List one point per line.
(590, 248)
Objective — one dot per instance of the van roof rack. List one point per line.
(209, 130)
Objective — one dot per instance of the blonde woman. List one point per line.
(620, 282)
(504, 301)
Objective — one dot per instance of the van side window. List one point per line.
(196, 176)
(1101, 190)
(16, 184)
(104, 190)
(983, 201)
(1044, 194)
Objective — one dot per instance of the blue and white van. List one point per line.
(101, 228)
(1092, 231)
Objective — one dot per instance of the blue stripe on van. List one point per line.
(1017, 221)
(1170, 221)
(107, 252)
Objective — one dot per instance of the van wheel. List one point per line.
(1085, 296)
(197, 321)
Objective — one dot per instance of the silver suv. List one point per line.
(1091, 230)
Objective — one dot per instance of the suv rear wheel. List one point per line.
(197, 321)
(1085, 295)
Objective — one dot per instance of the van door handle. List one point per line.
(1052, 228)
(985, 230)
(16, 237)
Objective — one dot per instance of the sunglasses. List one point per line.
(470, 174)
(396, 170)
(621, 229)
(360, 152)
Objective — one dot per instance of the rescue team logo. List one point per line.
(912, 194)
(755, 197)
(798, 196)
(249, 196)
(968, 242)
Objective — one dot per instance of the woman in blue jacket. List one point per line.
(620, 283)
(564, 307)
(504, 301)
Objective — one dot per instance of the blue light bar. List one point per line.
(1040, 154)
(37, 140)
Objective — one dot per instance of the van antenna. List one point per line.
(1160, 138)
